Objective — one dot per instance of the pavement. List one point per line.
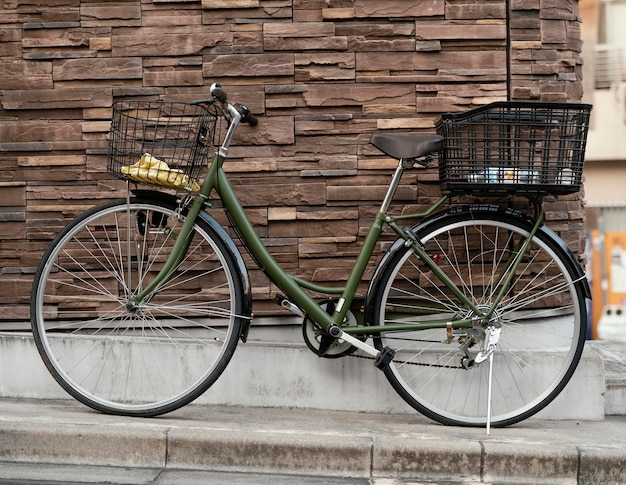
(39, 437)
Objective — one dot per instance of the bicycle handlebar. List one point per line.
(219, 95)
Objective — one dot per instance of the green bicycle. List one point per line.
(476, 314)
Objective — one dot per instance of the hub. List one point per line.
(134, 308)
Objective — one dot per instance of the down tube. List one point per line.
(266, 261)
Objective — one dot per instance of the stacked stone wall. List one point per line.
(322, 75)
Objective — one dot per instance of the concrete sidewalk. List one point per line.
(309, 442)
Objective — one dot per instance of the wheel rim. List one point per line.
(541, 319)
(124, 358)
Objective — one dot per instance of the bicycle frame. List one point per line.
(216, 180)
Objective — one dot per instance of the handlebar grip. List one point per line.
(247, 116)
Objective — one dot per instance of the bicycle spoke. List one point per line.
(540, 317)
(128, 357)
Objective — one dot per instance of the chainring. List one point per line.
(315, 337)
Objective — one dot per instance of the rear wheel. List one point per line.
(542, 320)
(122, 357)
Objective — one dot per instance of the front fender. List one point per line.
(246, 312)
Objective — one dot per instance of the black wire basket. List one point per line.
(523, 147)
(162, 143)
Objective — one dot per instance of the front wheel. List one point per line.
(542, 319)
(123, 357)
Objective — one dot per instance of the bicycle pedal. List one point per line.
(384, 358)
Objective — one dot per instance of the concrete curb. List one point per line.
(287, 374)
(308, 442)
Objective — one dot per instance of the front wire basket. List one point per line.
(162, 143)
(523, 147)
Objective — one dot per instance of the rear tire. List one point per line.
(144, 359)
(542, 317)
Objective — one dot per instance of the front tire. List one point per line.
(142, 359)
(542, 317)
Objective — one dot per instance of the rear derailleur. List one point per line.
(489, 335)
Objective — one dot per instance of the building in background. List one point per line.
(604, 52)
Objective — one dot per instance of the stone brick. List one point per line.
(455, 30)
(210, 4)
(69, 13)
(330, 213)
(173, 77)
(305, 43)
(274, 130)
(116, 14)
(376, 31)
(281, 213)
(525, 4)
(389, 109)
(466, 90)
(96, 127)
(12, 230)
(35, 131)
(56, 98)
(248, 65)
(19, 74)
(44, 161)
(376, 9)
(404, 123)
(458, 61)
(458, 11)
(338, 13)
(298, 30)
(364, 193)
(13, 194)
(10, 50)
(151, 42)
(10, 35)
(553, 32)
(305, 229)
(328, 66)
(250, 166)
(281, 194)
(338, 95)
(61, 37)
(100, 68)
(14, 290)
(100, 44)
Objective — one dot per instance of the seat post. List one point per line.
(395, 181)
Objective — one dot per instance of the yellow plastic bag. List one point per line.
(154, 171)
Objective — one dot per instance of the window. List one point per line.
(610, 52)
(612, 21)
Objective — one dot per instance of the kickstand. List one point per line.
(489, 393)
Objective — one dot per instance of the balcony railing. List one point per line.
(610, 65)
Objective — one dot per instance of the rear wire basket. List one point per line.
(509, 147)
(162, 143)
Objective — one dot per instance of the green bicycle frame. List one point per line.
(295, 287)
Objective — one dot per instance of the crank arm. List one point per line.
(336, 332)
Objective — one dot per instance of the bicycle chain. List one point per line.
(412, 363)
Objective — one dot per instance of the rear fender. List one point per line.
(474, 210)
